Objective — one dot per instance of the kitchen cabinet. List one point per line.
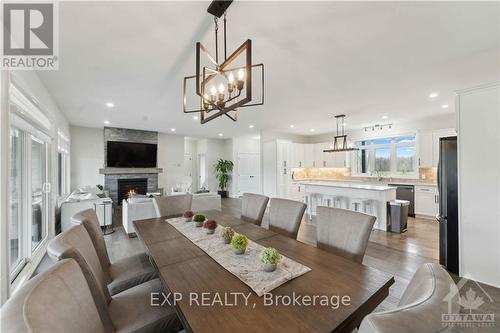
(425, 150)
(322, 159)
(296, 192)
(428, 146)
(284, 169)
(426, 201)
(309, 155)
(298, 155)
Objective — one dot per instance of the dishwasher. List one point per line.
(406, 192)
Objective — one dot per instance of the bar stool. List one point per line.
(340, 202)
(328, 201)
(370, 207)
(358, 204)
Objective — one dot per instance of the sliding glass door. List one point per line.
(28, 197)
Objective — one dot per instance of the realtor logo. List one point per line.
(29, 36)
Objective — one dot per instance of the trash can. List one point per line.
(398, 215)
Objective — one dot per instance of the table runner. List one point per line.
(246, 267)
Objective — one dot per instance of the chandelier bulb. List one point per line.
(213, 91)
(221, 88)
(241, 74)
(231, 78)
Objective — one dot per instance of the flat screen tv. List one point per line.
(131, 155)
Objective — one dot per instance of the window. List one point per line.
(392, 156)
(62, 164)
(28, 196)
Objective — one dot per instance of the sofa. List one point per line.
(85, 198)
(139, 208)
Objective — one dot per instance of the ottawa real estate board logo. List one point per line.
(30, 38)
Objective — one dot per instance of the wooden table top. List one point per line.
(186, 269)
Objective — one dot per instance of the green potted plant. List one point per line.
(270, 257)
(199, 219)
(227, 234)
(188, 216)
(223, 170)
(239, 243)
(210, 225)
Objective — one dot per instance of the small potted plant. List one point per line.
(239, 243)
(188, 216)
(211, 225)
(227, 234)
(199, 219)
(270, 257)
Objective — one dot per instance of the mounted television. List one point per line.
(131, 155)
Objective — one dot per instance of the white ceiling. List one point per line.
(363, 59)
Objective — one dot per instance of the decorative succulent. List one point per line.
(227, 234)
(188, 214)
(270, 256)
(199, 218)
(211, 224)
(239, 242)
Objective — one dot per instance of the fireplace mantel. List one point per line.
(129, 171)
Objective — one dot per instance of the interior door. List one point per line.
(248, 173)
(188, 165)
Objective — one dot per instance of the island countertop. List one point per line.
(358, 186)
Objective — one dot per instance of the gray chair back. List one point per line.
(172, 205)
(75, 243)
(430, 294)
(253, 207)
(344, 232)
(88, 218)
(57, 300)
(285, 216)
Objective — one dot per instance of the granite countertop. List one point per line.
(344, 184)
(374, 182)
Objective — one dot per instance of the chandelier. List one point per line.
(219, 88)
(340, 143)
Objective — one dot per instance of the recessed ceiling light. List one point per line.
(196, 117)
(292, 126)
(172, 129)
(385, 117)
(312, 130)
(220, 134)
(110, 105)
(433, 95)
(106, 122)
(444, 106)
(251, 126)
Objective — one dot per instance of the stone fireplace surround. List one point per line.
(112, 175)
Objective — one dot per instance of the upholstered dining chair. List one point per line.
(121, 274)
(285, 216)
(344, 232)
(64, 288)
(253, 207)
(430, 294)
(172, 205)
(129, 310)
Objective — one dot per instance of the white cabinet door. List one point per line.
(340, 160)
(425, 149)
(284, 168)
(309, 155)
(426, 201)
(298, 152)
(248, 173)
(436, 135)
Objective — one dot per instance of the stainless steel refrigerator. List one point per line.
(448, 204)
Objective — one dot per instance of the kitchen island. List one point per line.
(378, 196)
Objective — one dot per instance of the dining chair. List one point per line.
(430, 294)
(129, 310)
(344, 232)
(253, 207)
(124, 273)
(172, 205)
(285, 216)
(57, 300)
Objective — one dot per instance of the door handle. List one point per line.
(441, 219)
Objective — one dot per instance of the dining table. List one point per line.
(208, 298)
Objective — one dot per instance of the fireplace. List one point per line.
(131, 186)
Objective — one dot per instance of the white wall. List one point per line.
(171, 159)
(479, 183)
(87, 156)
